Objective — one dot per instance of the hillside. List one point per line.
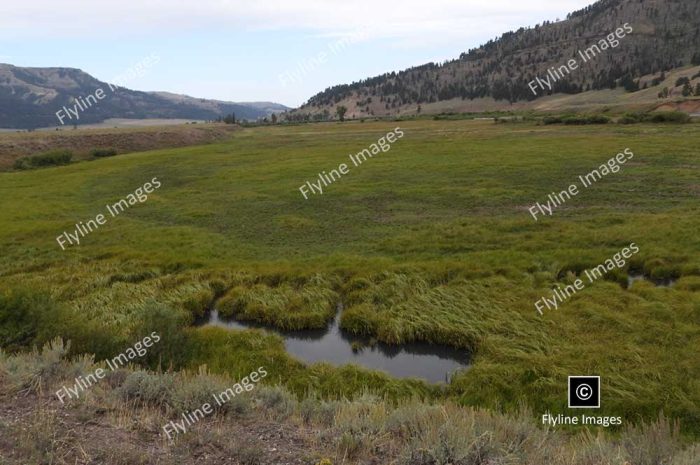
(637, 41)
(30, 98)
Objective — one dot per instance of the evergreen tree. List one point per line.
(687, 90)
(629, 83)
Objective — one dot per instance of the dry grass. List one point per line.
(14, 145)
(109, 426)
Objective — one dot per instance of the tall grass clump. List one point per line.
(304, 304)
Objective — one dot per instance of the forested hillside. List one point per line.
(665, 34)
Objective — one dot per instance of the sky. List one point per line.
(283, 51)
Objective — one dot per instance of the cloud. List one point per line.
(410, 20)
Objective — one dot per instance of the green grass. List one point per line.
(431, 241)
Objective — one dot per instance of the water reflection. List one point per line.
(431, 363)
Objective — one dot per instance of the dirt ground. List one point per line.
(37, 429)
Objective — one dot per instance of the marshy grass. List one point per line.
(300, 304)
(431, 242)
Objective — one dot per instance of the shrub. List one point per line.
(576, 119)
(313, 410)
(627, 119)
(52, 158)
(670, 117)
(656, 117)
(33, 371)
(278, 400)
(570, 120)
(552, 120)
(99, 153)
(192, 393)
(598, 119)
(238, 406)
(148, 388)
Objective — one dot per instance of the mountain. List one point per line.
(615, 44)
(30, 98)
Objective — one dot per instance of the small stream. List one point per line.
(431, 363)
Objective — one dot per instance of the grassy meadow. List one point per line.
(431, 241)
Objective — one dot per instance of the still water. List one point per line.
(431, 363)
(631, 279)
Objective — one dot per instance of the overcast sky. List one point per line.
(251, 50)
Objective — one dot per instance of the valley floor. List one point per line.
(431, 241)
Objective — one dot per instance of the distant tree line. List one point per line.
(228, 119)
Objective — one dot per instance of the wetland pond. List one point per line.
(432, 363)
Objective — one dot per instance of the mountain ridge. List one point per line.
(665, 36)
(31, 96)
